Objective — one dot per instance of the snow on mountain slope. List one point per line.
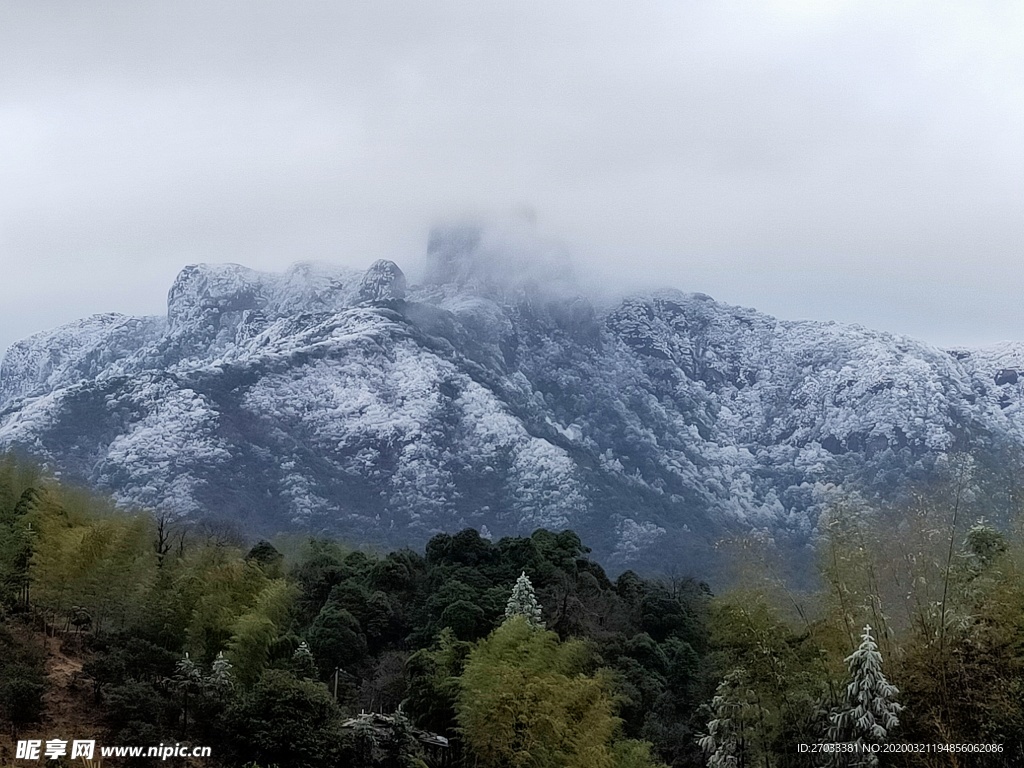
(997, 383)
(81, 350)
(351, 403)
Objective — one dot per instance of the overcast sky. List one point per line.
(855, 161)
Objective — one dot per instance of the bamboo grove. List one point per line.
(518, 652)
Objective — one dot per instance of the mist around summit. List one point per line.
(494, 394)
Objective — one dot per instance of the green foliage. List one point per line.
(287, 721)
(321, 565)
(16, 538)
(336, 640)
(782, 665)
(464, 618)
(434, 683)
(266, 557)
(253, 633)
(22, 681)
(136, 709)
(985, 544)
(214, 589)
(972, 683)
(627, 673)
(525, 701)
(121, 657)
(949, 608)
(139, 594)
(84, 558)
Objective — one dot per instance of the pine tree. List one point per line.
(302, 650)
(187, 675)
(220, 679)
(187, 680)
(523, 602)
(303, 664)
(731, 740)
(870, 711)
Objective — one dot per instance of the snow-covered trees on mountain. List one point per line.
(334, 400)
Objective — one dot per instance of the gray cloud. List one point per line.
(855, 161)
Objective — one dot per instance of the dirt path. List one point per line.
(69, 711)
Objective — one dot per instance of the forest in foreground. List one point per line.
(133, 629)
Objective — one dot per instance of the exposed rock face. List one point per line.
(343, 402)
(1006, 376)
(201, 294)
(383, 282)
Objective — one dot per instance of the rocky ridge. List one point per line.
(354, 404)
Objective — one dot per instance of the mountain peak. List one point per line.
(341, 401)
(203, 289)
(216, 296)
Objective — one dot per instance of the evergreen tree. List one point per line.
(187, 675)
(870, 711)
(303, 665)
(984, 544)
(523, 602)
(282, 721)
(220, 679)
(188, 681)
(732, 737)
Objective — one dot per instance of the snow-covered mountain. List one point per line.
(494, 396)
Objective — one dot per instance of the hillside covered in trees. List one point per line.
(330, 401)
(517, 652)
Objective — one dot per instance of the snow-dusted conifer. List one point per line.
(187, 674)
(731, 739)
(523, 602)
(220, 673)
(870, 710)
(303, 652)
(303, 663)
(188, 681)
(985, 544)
